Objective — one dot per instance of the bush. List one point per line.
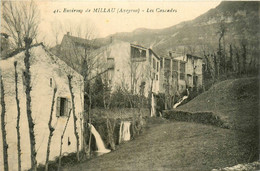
(199, 117)
(122, 99)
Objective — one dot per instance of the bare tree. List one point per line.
(3, 128)
(231, 58)
(110, 132)
(18, 117)
(51, 129)
(61, 140)
(80, 55)
(74, 115)
(20, 20)
(221, 48)
(57, 29)
(28, 88)
(244, 55)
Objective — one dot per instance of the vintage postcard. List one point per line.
(129, 85)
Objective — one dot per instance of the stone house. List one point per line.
(47, 72)
(132, 67)
(73, 50)
(180, 72)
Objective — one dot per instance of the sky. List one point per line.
(145, 14)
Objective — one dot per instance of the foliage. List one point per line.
(98, 93)
(124, 99)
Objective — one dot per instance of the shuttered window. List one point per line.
(62, 107)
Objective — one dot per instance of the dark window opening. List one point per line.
(182, 67)
(175, 65)
(175, 75)
(50, 82)
(182, 76)
(167, 63)
(182, 71)
(63, 106)
(143, 54)
(154, 64)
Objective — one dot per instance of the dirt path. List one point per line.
(175, 146)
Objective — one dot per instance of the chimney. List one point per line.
(68, 33)
(111, 39)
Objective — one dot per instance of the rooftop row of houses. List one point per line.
(137, 68)
(122, 64)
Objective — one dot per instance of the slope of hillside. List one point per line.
(176, 146)
(201, 34)
(235, 101)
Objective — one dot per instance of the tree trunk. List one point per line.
(27, 76)
(110, 131)
(61, 140)
(231, 58)
(85, 107)
(150, 96)
(51, 129)
(5, 145)
(215, 66)
(89, 122)
(224, 54)
(244, 58)
(18, 117)
(74, 116)
(238, 63)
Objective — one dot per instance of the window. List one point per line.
(175, 65)
(50, 82)
(167, 74)
(63, 106)
(182, 71)
(150, 56)
(167, 64)
(175, 75)
(135, 53)
(143, 54)
(154, 64)
(182, 76)
(138, 53)
(182, 67)
(157, 66)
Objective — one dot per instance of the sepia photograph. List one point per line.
(129, 85)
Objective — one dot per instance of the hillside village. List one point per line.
(136, 68)
(134, 102)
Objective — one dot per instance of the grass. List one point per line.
(175, 146)
(235, 101)
(166, 145)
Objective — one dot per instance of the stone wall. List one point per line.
(198, 117)
(99, 121)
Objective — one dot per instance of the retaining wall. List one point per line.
(198, 117)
